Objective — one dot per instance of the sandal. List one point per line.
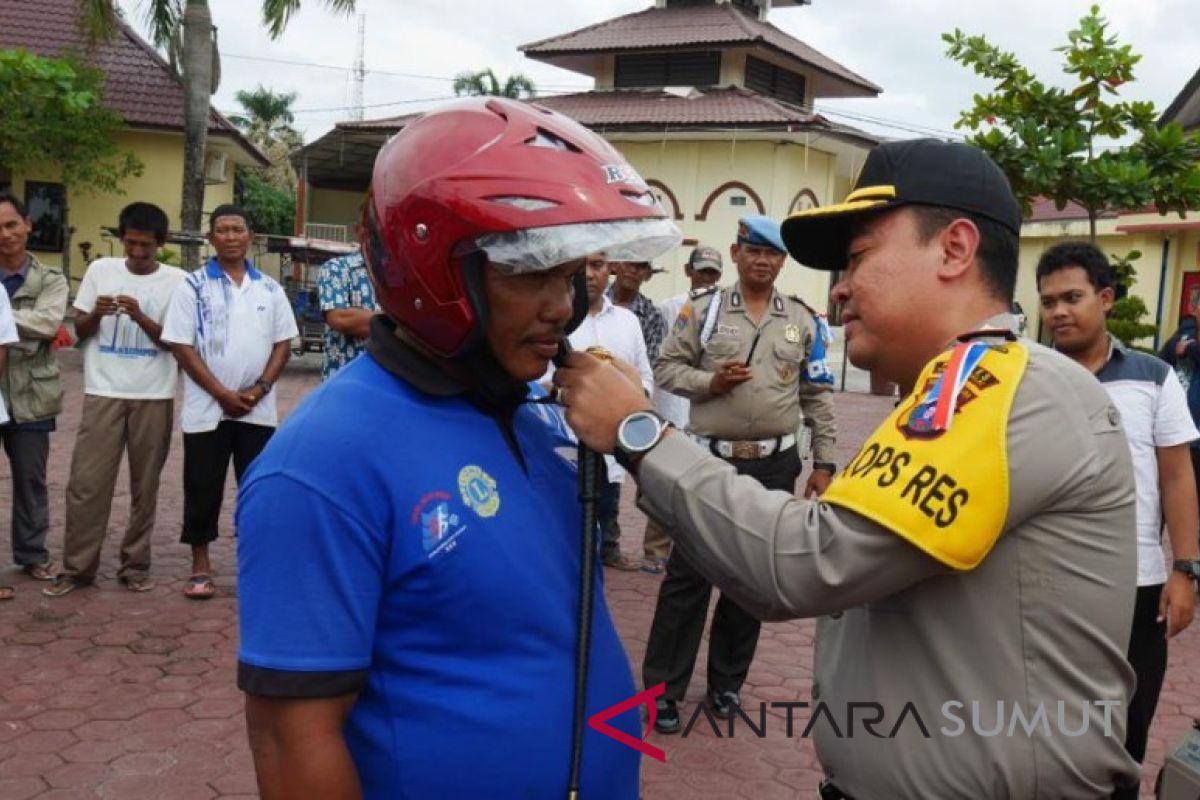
(619, 561)
(7, 593)
(139, 583)
(40, 572)
(62, 585)
(200, 587)
(655, 566)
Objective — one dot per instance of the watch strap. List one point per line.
(1189, 568)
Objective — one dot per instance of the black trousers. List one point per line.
(1148, 657)
(608, 508)
(1195, 453)
(30, 521)
(206, 459)
(682, 607)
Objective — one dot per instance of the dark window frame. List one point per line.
(667, 68)
(775, 81)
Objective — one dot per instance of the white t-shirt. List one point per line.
(8, 335)
(233, 329)
(1155, 414)
(618, 331)
(120, 359)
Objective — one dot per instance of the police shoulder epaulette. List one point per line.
(704, 291)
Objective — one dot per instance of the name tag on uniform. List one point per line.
(727, 330)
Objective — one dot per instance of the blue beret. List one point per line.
(762, 231)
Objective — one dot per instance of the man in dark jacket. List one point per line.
(1182, 351)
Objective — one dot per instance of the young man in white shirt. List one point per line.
(128, 404)
(1076, 283)
(703, 269)
(8, 335)
(230, 328)
(616, 330)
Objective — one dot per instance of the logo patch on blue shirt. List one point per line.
(478, 490)
(440, 527)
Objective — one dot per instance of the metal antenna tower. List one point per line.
(359, 75)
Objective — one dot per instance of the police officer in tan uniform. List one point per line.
(971, 564)
(740, 355)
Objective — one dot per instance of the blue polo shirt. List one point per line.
(391, 542)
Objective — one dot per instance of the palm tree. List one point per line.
(266, 121)
(485, 82)
(268, 117)
(184, 28)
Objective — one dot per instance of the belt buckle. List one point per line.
(747, 450)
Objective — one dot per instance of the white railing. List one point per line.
(332, 233)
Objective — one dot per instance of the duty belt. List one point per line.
(746, 450)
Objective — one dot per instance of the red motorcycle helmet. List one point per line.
(483, 170)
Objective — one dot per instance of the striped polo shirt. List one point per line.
(1154, 413)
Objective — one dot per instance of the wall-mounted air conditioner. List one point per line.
(215, 168)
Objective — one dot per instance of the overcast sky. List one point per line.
(413, 49)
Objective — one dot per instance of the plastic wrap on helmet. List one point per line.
(538, 249)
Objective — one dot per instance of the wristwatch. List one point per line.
(1189, 568)
(827, 466)
(264, 385)
(637, 435)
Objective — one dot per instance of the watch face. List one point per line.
(639, 432)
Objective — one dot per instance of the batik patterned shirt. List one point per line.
(344, 283)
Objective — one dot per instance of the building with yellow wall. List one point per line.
(145, 90)
(708, 100)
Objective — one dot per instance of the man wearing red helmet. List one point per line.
(409, 553)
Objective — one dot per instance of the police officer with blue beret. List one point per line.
(744, 357)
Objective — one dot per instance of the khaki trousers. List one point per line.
(656, 542)
(110, 427)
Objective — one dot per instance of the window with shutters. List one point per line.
(699, 68)
(766, 78)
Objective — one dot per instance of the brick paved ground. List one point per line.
(113, 695)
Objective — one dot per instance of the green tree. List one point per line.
(266, 119)
(485, 82)
(184, 28)
(1125, 318)
(271, 209)
(268, 115)
(1060, 143)
(54, 114)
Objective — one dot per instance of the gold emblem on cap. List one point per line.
(792, 333)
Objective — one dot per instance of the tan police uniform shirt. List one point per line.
(1043, 620)
(769, 404)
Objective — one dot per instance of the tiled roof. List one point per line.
(1185, 108)
(635, 109)
(716, 107)
(389, 124)
(1044, 210)
(139, 84)
(720, 25)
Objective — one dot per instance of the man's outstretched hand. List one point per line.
(597, 396)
